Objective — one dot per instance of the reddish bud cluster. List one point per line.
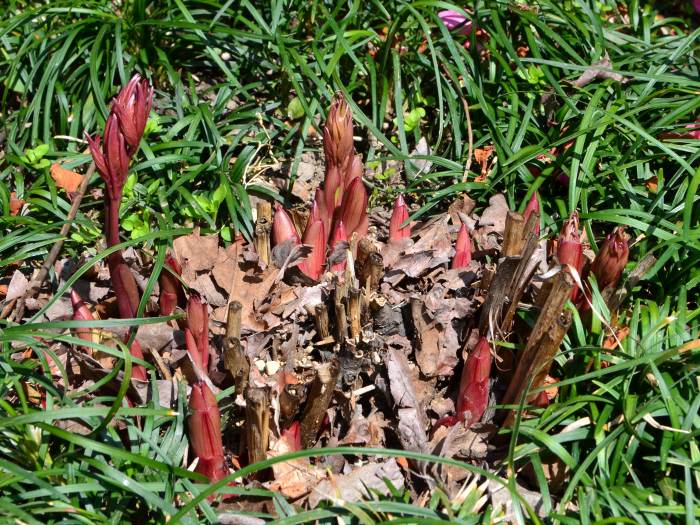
(204, 422)
(339, 209)
(123, 131)
(611, 259)
(570, 248)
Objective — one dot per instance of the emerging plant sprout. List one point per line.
(112, 154)
(611, 259)
(463, 249)
(171, 291)
(533, 206)
(204, 422)
(339, 208)
(399, 216)
(473, 397)
(570, 248)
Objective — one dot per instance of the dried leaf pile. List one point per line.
(370, 357)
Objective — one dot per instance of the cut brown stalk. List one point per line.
(235, 359)
(513, 240)
(542, 334)
(257, 411)
(318, 401)
(263, 230)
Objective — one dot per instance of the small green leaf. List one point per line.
(295, 110)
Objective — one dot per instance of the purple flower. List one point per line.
(455, 20)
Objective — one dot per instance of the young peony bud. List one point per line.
(111, 158)
(198, 325)
(283, 228)
(570, 249)
(463, 249)
(204, 424)
(171, 291)
(132, 107)
(353, 210)
(337, 135)
(611, 259)
(533, 206)
(339, 235)
(473, 397)
(399, 215)
(314, 236)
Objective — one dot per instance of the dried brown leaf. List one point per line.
(353, 486)
(65, 179)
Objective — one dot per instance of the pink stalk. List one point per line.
(353, 209)
(453, 19)
(463, 249)
(570, 249)
(354, 170)
(533, 206)
(314, 236)
(204, 424)
(339, 235)
(112, 154)
(399, 216)
(198, 327)
(473, 397)
(171, 291)
(283, 228)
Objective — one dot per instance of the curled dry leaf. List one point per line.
(65, 179)
(16, 204)
(196, 252)
(599, 70)
(17, 287)
(353, 486)
(482, 156)
(493, 219)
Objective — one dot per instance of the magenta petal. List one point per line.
(453, 19)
